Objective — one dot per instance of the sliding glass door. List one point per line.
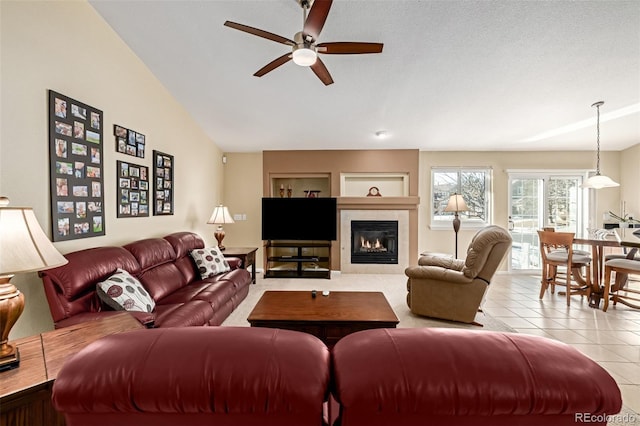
(538, 200)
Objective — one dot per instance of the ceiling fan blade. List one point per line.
(259, 33)
(273, 65)
(322, 72)
(349, 48)
(317, 16)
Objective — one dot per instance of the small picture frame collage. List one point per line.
(163, 168)
(76, 170)
(129, 141)
(133, 190)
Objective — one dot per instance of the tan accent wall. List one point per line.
(242, 194)
(67, 47)
(335, 162)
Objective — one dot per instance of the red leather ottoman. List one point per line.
(463, 377)
(196, 376)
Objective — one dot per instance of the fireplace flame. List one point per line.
(366, 245)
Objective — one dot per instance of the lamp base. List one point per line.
(219, 234)
(10, 361)
(11, 306)
(456, 228)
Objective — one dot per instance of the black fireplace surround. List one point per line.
(374, 241)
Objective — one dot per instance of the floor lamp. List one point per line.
(456, 204)
(219, 217)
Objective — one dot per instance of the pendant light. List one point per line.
(598, 181)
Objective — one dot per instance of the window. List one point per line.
(475, 186)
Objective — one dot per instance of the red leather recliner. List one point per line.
(458, 377)
(195, 376)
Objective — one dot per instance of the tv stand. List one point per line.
(297, 259)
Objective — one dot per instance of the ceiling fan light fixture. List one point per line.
(304, 55)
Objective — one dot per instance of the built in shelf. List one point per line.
(299, 185)
(385, 184)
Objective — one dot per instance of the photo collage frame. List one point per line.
(129, 141)
(133, 190)
(163, 172)
(76, 169)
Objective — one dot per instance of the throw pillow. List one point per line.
(210, 261)
(122, 291)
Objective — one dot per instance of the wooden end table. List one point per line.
(25, 391)
(329, 318)
(247, 255)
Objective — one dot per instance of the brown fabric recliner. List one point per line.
(452, 289)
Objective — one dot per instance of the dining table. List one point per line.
(598, 239)
(628, 237)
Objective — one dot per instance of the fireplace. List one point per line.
(374, 241)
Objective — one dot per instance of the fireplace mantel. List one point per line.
(378, 203)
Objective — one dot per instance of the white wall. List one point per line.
(67, 47)
(500, 162)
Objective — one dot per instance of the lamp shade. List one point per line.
(599, 181)
(24, 247)
(220, 216)
(456, 204)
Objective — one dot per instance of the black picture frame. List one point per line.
(132, 189)
(75, 169)
(163, 183)
(129, 142)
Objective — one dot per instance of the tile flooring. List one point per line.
(610, 338)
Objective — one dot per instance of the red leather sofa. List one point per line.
(259, 376)
(459, 377)
(196, 376)
(165, 269)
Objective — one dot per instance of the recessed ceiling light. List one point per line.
(381, 134)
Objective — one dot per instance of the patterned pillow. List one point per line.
(121, 291)
(210, 261)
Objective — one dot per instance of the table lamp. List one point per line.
(456, 204)
(219, 217)
(24, 247)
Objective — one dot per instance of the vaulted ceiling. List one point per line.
(453, 75)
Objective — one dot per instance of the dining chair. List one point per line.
(619, 291)
(582, 252)
(556, 249)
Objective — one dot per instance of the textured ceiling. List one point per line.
(453, 75)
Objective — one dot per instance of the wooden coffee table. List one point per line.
(327, 317)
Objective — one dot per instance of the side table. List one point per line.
(247, 255)
(25, 391)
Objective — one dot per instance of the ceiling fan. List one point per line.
(305, 46)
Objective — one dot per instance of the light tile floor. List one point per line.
(610, 338)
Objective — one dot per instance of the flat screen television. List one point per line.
(299, 219)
